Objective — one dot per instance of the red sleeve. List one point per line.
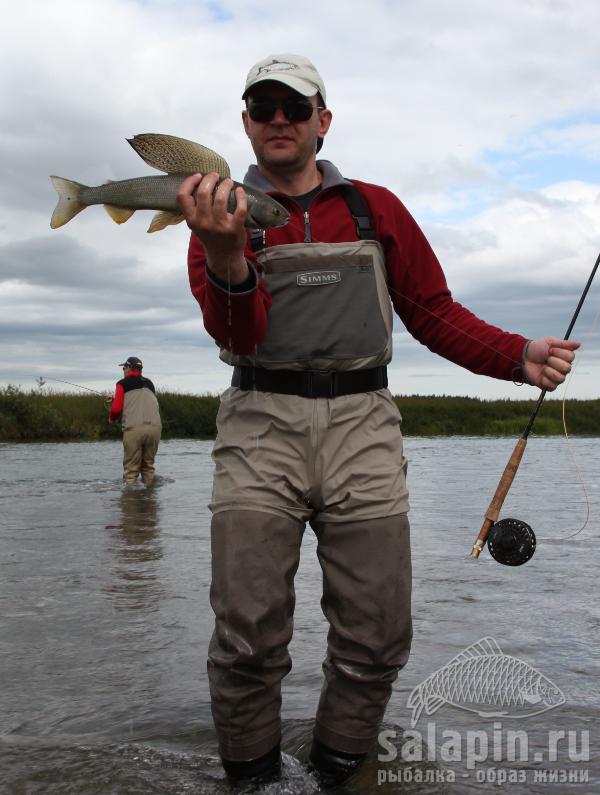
(236, 321)
(423, 301)
(116, 408)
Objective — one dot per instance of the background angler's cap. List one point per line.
(133, 362)
(294, 71)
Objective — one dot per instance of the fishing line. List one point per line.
(79, 386)
(433, 314)
(578, 469)
(511, 541)
(508, 537)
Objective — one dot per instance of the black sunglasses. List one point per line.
(264, 110)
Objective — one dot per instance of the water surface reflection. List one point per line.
(137, 547)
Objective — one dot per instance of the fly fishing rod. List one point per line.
(70, 383)
(512, 541)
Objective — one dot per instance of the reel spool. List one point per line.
(511, 542)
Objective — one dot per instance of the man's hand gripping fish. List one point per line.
(178, 158)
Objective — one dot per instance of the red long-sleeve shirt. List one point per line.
(239, 320)
(118, 401)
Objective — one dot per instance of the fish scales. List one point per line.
(139, 193)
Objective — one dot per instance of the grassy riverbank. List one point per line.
(64, 416)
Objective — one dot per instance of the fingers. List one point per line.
(206, 202)
(556, 368)
(557, 344)
(186, 194)
(560, 358)
(549, 360)
(212, 197)
(241, 208)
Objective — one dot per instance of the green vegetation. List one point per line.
(63, 416)
(463, 416)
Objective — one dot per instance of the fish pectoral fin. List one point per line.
(163, 219)
(119, 214)
(531, 698)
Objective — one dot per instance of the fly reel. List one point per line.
(511, 542)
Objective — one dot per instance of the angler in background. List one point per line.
(308, 431)
(135, 404)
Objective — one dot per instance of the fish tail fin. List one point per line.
(69, 202)
(416, 703)
(433, 704)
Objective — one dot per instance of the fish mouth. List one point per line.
(554, 699)
(282, 221)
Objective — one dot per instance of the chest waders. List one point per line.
(308, 433)
(141, 429)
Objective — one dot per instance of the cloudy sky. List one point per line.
(483, 117)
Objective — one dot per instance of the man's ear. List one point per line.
(245, 118)
(325, 117)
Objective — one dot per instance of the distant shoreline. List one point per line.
(40, 415)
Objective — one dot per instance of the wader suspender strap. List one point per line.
(257, 239)
(362, 218)
(358, 209)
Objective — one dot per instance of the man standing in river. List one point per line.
(135, 404)
(308, 431)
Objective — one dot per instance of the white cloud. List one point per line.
(449, 105)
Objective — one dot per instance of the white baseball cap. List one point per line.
(294, 71)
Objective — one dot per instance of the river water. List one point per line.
(105, 621)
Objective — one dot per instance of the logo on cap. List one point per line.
(277, 66)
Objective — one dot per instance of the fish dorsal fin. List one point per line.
(175, 155)
(485, 647)
(119, 214)
(163, 219)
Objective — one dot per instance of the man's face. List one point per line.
(281, 143)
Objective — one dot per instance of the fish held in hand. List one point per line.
(165, 152)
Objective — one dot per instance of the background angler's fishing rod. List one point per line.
(42, 379)
(512, 541)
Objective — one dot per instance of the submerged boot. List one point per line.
(263, 769)
(333, 767)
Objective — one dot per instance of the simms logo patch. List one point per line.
(318, 278)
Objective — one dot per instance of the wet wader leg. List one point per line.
(255, 556)
(149, 450)
(366, 599)
(132, 455)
